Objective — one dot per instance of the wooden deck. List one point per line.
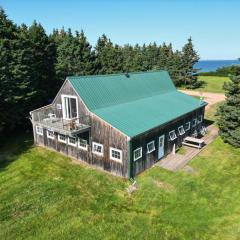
(63, 126)
(173, 162)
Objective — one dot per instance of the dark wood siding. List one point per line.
(148, 159)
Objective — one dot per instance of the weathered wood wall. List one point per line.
(148, 159)
(100, 132)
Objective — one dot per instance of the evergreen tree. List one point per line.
(73, 55)
(188, 72)
(25, 71)
(8, 38)
(43, 73)
(138, 58)
(174, 68)
(109, 57)
(229, 112)
(128, 56)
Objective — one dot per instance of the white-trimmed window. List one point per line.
(150, 147)
(97, 148)
(62, 138)
(137, 153)
(200, 119)
(172, 135)
(82, 143)
(116, 154)
(39, 130)
(181, 130)
(72, 141)
(194, 122)
(50, 134)
(187, 126)
(69, 107)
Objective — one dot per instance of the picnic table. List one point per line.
(193, 142)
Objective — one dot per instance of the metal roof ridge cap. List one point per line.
(114, 74)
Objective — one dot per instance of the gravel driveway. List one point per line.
(210, 98)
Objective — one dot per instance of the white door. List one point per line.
(161, 146)
(69, 107)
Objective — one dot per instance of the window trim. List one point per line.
(189, 126)
(154, 148)
(140, 156)
(63, 105)
(100, 145)
(182, 129)
(49, 136)
(72, 144)
(37, 130)
(173, 131)
(116, 150)
(194, 124)
(60, 140)
(81, 147)
(201, 118)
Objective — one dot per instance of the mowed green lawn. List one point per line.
(211, 84)
(44, 195)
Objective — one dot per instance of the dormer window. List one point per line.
(69, 107)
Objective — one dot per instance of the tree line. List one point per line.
(223, 71)
(33, 64)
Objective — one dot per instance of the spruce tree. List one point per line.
(188, 72)
(174, 67)
(229, 112)
(43, 73)
(109, 57)
(8, 38)
(74, 55)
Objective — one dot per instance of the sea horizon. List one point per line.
(212, 65)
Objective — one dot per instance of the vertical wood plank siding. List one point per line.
(100, 132)
(148, 159)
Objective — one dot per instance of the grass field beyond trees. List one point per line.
(44, 195)
(212, 83)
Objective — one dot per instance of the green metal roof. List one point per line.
(136, 102)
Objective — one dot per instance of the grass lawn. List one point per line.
(212, 84)
(44, 195)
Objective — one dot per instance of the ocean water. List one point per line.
(212, 65)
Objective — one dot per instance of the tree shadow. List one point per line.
(202, 84)
(12, 145)
(208, 122)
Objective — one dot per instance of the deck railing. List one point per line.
(51, 117)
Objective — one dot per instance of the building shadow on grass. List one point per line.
(208, 122)
(12, 145)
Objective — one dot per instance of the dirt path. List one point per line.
(210, 98)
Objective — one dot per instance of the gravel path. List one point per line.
(210, 98)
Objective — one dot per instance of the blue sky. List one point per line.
(213, 24)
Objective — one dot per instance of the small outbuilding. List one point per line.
(121, 123)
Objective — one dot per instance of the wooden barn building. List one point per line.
(121, 123)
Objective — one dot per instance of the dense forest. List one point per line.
(34, 64)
